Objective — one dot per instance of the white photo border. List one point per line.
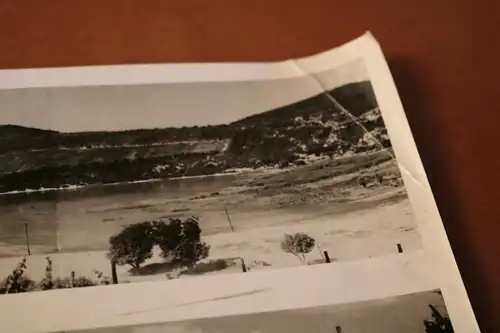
(434, 267)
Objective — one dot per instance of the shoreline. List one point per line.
(72, 187)
(228, 172)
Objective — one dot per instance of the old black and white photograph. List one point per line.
(127, 183)
(423, 312)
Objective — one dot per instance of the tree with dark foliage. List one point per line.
(180, 241)
(133, 245)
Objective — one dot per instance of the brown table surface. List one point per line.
(445, 57)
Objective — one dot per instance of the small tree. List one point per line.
(17, 282)
(298, 244)
(47, 282)
(180, 241)
(438, 323)
(133, 245)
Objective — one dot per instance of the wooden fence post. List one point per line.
(229, 219)
(114, 276)
(27, 238)
(400, 248)
(243, 266)
(327, 257)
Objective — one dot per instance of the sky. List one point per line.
(111, 108)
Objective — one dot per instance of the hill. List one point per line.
(14, 137)
(294, 134)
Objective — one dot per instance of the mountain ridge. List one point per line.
(52, 137)
(294, 134)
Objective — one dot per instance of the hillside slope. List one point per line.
(294, 134)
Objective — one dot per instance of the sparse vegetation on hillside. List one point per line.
(290, 135)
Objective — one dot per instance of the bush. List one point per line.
(133, 245)
(16, 282)
(298, 244)
(47, 282)
(74, 281)
(180, 241)
(438, 323)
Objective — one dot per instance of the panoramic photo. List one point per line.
(115, 184)
(423, 312)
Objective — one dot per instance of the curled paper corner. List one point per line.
(370, 36)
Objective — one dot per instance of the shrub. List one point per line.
(180, 241)
(133, 245)
(101, 278)
(298, 244)
(438, 323)
(73, 281)
(17, 282)
(47, 282)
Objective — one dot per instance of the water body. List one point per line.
(59, 219)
